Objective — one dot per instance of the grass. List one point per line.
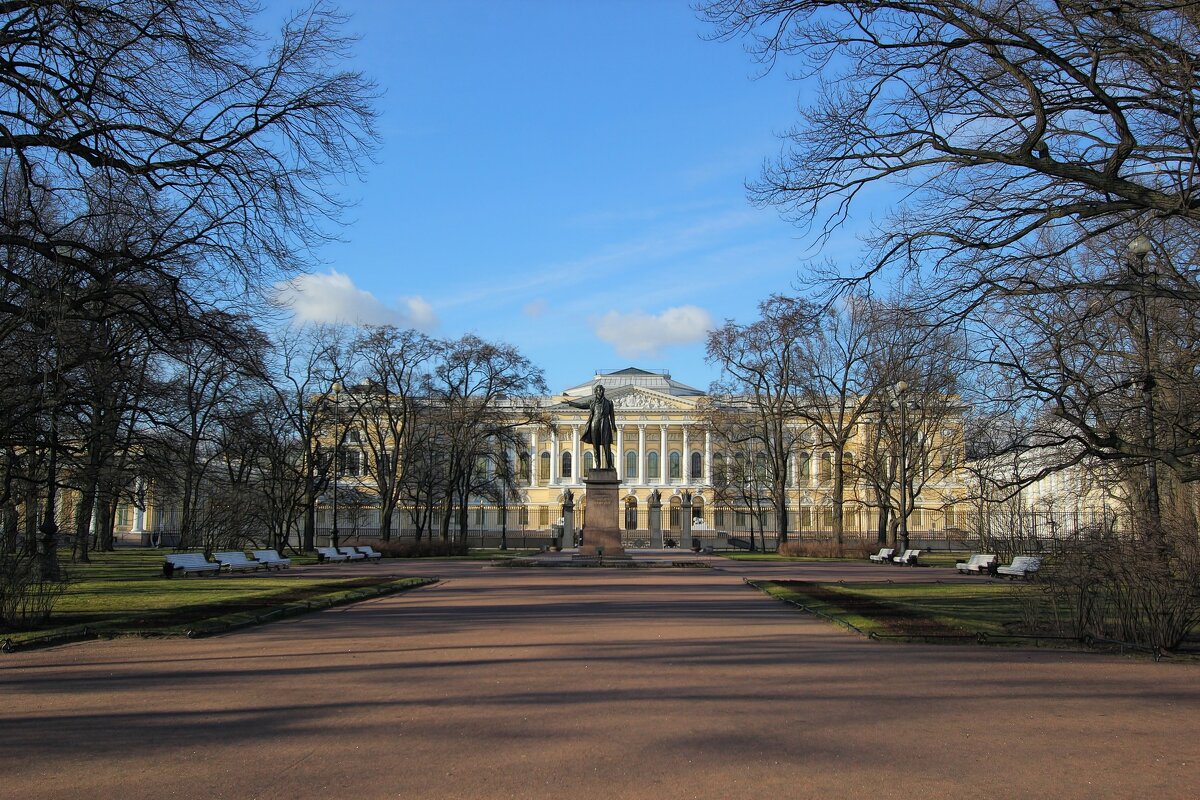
(933, 611)
(124, 592)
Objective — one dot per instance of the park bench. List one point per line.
(236, 561)
(271, 558)
(1021, 567)
(740, 544)
(884, 556)
(908, 558)
(352, 554)
(978, 562)
(331, 554)
(370, 552)
(184, 563)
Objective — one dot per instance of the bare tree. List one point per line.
(1030, 140)
(762, 365)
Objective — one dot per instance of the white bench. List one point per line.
(352, 554)
(370, 552)
(1020, 567)
(884, 556)
(184, 563)
(271, 558)
(236, 561)
(978, 562)
(908, 558)
(331, 554)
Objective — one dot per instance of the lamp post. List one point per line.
(337, 447)
(901, 405)
(1138, 249)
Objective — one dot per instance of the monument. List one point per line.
(601, 514)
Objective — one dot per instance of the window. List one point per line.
(631, 514)
(674, 517)
(526, 467)
(760, 466)
(676, 465)
(805, 465)
(719, 519)
(544, 470)
(566, 465)
(826, 466)
(350, 463)
(353, 436)
(589, 461)
(631, 464)
(652, 465)
(697, 469)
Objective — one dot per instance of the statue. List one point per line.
(601, 422)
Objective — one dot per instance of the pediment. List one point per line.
(640, 399)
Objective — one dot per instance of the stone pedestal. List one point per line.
(654, 519)
(685, 521)
(602, 514)
(568, 529)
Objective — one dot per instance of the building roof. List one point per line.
(654, 380)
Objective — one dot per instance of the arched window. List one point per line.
(353, 436)
(652, 464)
(720, 470)
(697, 469)
(630, 464)
(544, 469)
(760, 466)
(674, 517)
(526, 466)
(826, 466)
(589, 461)
(676, 465)
(631, 514)
(566, 465)
(804, 465)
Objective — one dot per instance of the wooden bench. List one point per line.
(1021, 567)
(184, 563)
(236, 561)
(978, 562)
(271, 558)
(330, 554)
(369, 552)
(352, 554)
(884, 556)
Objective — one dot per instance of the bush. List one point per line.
(408, 548)
(26, 598)
(1141, 588)
(828, 548)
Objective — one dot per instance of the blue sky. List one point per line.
(565, 176)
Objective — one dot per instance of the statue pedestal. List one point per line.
(601, 517)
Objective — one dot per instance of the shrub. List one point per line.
(828, 548)
(26, 598)
(409, 548)
(1140, 588)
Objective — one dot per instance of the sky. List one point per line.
(566, 176)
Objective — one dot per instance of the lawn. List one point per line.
(933, 611)
(124, 592)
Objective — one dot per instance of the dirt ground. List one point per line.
(589, 683)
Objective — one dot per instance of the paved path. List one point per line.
(521, 683)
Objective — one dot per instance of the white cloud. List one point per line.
(638, 334)
(335, 298)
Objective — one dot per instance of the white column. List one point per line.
(814, 468)
(708, 458)
(576, 463)
(663, 472)
(641, 476)
(534, 461)
(686, 466)
(554, 465)
(620, 462)
(795, 461)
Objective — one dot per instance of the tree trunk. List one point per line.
(11, 524)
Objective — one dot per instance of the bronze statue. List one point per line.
(601, 422)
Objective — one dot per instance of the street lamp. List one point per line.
(1143, 270)
(901, 405)
(337, 442)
